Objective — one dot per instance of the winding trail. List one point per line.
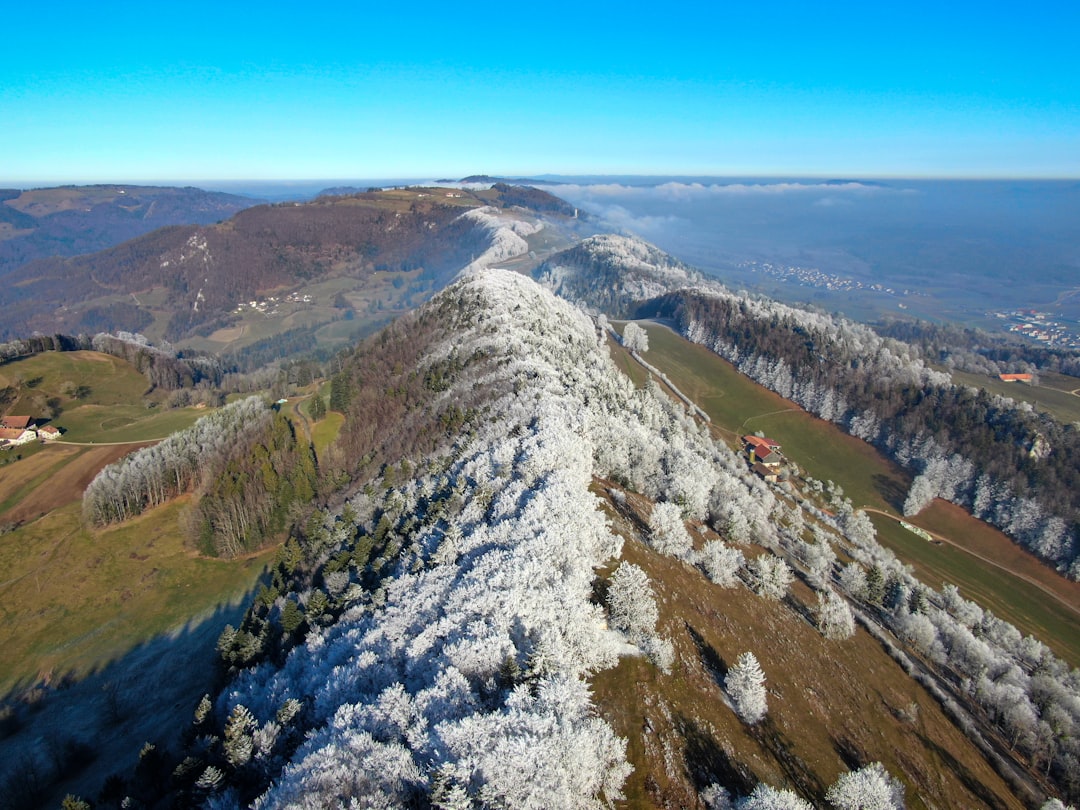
(771, 413)
(988, 560)
(106, 444)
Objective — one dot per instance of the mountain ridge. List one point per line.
(71, 220)
(206, 271)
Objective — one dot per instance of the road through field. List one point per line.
(989, 561)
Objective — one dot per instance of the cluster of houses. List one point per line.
(16, 430)
(764, 456)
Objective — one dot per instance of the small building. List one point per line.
(769, 474)
(9, 437)
(48, 433)
(760, 441)
(767, 457)
(1016, 377)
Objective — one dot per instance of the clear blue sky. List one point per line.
(198, 90)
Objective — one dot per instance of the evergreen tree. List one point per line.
(745, 685)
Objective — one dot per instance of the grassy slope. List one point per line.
(833, 705)
(737, 405)
(111, 381)
(73, 599)
(1053, 394)
(114, 410)
(325, 431)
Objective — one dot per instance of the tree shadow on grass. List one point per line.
(891, 490)
(50, 733)
(969, 780)
(800, 776)
(714, 663)
(852, 756)
(707, 762)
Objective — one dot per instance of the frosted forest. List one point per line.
(459, 677)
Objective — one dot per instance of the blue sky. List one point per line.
(197, 91)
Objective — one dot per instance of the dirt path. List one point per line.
(771, 413)
(108, 444)
(988, 560)
(295, 404)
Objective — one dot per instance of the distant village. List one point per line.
(814, 277)
(269, 306)
(18, 430)
(1039, 326)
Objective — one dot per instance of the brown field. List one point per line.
(67, 483)
(227, 335)
(14, 476)
(833, 705)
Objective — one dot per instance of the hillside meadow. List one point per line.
(1055, 393)
(833, 705)
(1016, 586)
(73, 599)
(92, 397)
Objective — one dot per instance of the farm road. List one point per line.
(988, 560)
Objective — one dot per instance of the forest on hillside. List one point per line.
(208, 270)
(438, 620)
(1011, 466)
(1016, 468)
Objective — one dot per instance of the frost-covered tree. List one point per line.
(869, 788)
(771, 575)
(834, 616)
(770, 798)
(632, 603)
(818, 557)
(668, 531)
(716, 797)
(722, 563)
(853, 580)
(635, 338)
(238, 742)
(745, 686)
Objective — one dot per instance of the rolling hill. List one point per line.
(183, 281)
(70, 220)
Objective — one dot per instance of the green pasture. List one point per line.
(325, 431)
(105, 380)
(124, 423)
(738, 406)
(97, 398)
(1053, 394)
(1020, 603)
(72, 599)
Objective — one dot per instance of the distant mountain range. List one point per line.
(70, 220)
(202, 272)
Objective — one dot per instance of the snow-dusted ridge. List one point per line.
(629, 268)
(405, 693)
(505, 232)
